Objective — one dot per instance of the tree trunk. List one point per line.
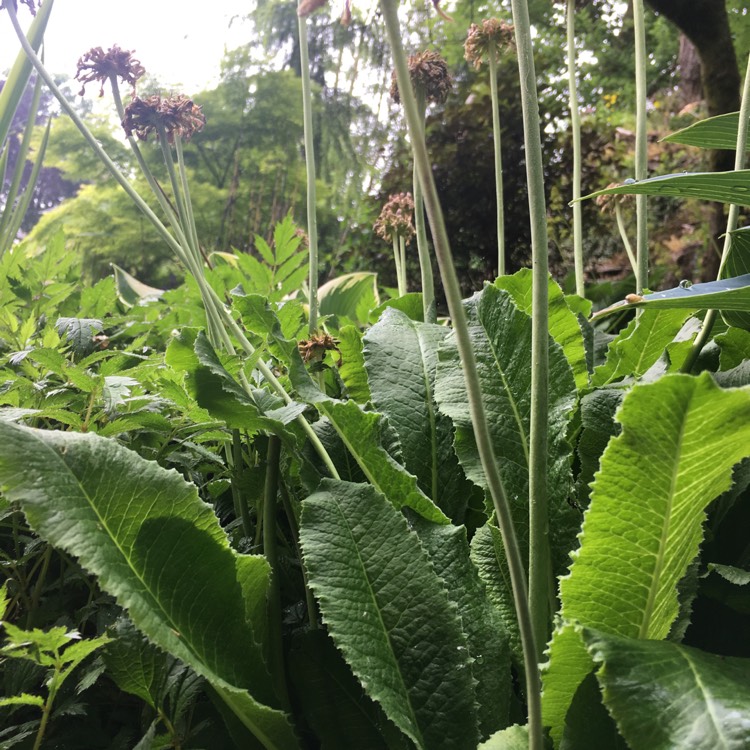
(689, 64)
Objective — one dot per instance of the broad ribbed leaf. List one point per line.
(401, 359)
(486, 637)
(362, 434)
(131, 291)
(664, 695)
(725, 187)
(680, 438)
(735, 347)
(389, 614)
(501, 338)
(563, 323)
(156, 547)
(352, 368)
(639, 345)
(737, 263)
(350, 296)
(512, 738)
(715, 132)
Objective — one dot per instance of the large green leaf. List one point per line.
(563, 323)
(715, 132)
(131, 291)
(389, 613)
(680, 438)
(725, 294)
(737, 264)
(639, 345)
(350, 296)
(352, 368)
(501, 338)
(725, 187)
(512, 738)
(664, 695)
(401, 359)
(486, 638)
(153, 545)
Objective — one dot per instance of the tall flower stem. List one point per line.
(496, 136)
(210, 298)
(641, 146)
(540, 571)
(402, 261)
(739, 162)
(312, 220)
(575, 133)
(624, 236)
(425, 263)
(399, 269)
(473, 388)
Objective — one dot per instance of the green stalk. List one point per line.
(540, 570)
(496, 135)
(238, 496)
(210, 298)
(399, 269)
(739, 162)
(624, 236)
(312, 220)
(473, 388)
(271, 491)
(425, 264)
(575, 132)
(641, 147)
(402, 257)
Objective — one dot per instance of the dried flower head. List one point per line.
(30, 4)
(176, 115)
(395, 219)
(98, 65)
(306, 7)
(315, 348)
(608, 201)
(493, 34)
(429, 72)
(304, 240)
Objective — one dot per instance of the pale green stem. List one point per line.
(423, 250)
(473, 389)
(641, 147)
(399, 269)
(402, 255)
(496, 136)
(624, 236)
(575, 133)
(185, 258)
(188, 200)
(312, 221)
(739, 162)
(539, 554)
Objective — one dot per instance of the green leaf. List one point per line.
(332, 700)
(512, 738)
(501, 338)
(401, 360)
(136, 666)
(154, 546)
(639, 345)
(737, 263)
(664, 695)
(735, 347)
(79, 332)
(410, 304)
(563, 323)
(714, 132)
(25, 699)
(131, 291)
(352, 369)
(389, 614)
(680, 438)
(350, 296)
(362, 433)
(725, 187)
(486, 638)
(730, 573)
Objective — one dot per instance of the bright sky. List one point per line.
(180, 43)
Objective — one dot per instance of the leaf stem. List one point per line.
(641, 146)
(312, 221)
(473, 388)
(575, 134)
(624, 235)
(496, 137)
(399, 269)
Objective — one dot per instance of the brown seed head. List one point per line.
(98, 65)
(306, 7)
(607, 202)
(315, 348)
(491, 34)
(176, 115)
(429, 72)
(395, 219)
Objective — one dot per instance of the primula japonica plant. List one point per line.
(388, 533)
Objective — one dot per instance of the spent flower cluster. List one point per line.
(491, 34)
(395, 219)
(176, 115)
(429, 73)
(608, 201)
(98, 65)
(30, 4)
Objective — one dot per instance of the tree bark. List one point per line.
(689, 64)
